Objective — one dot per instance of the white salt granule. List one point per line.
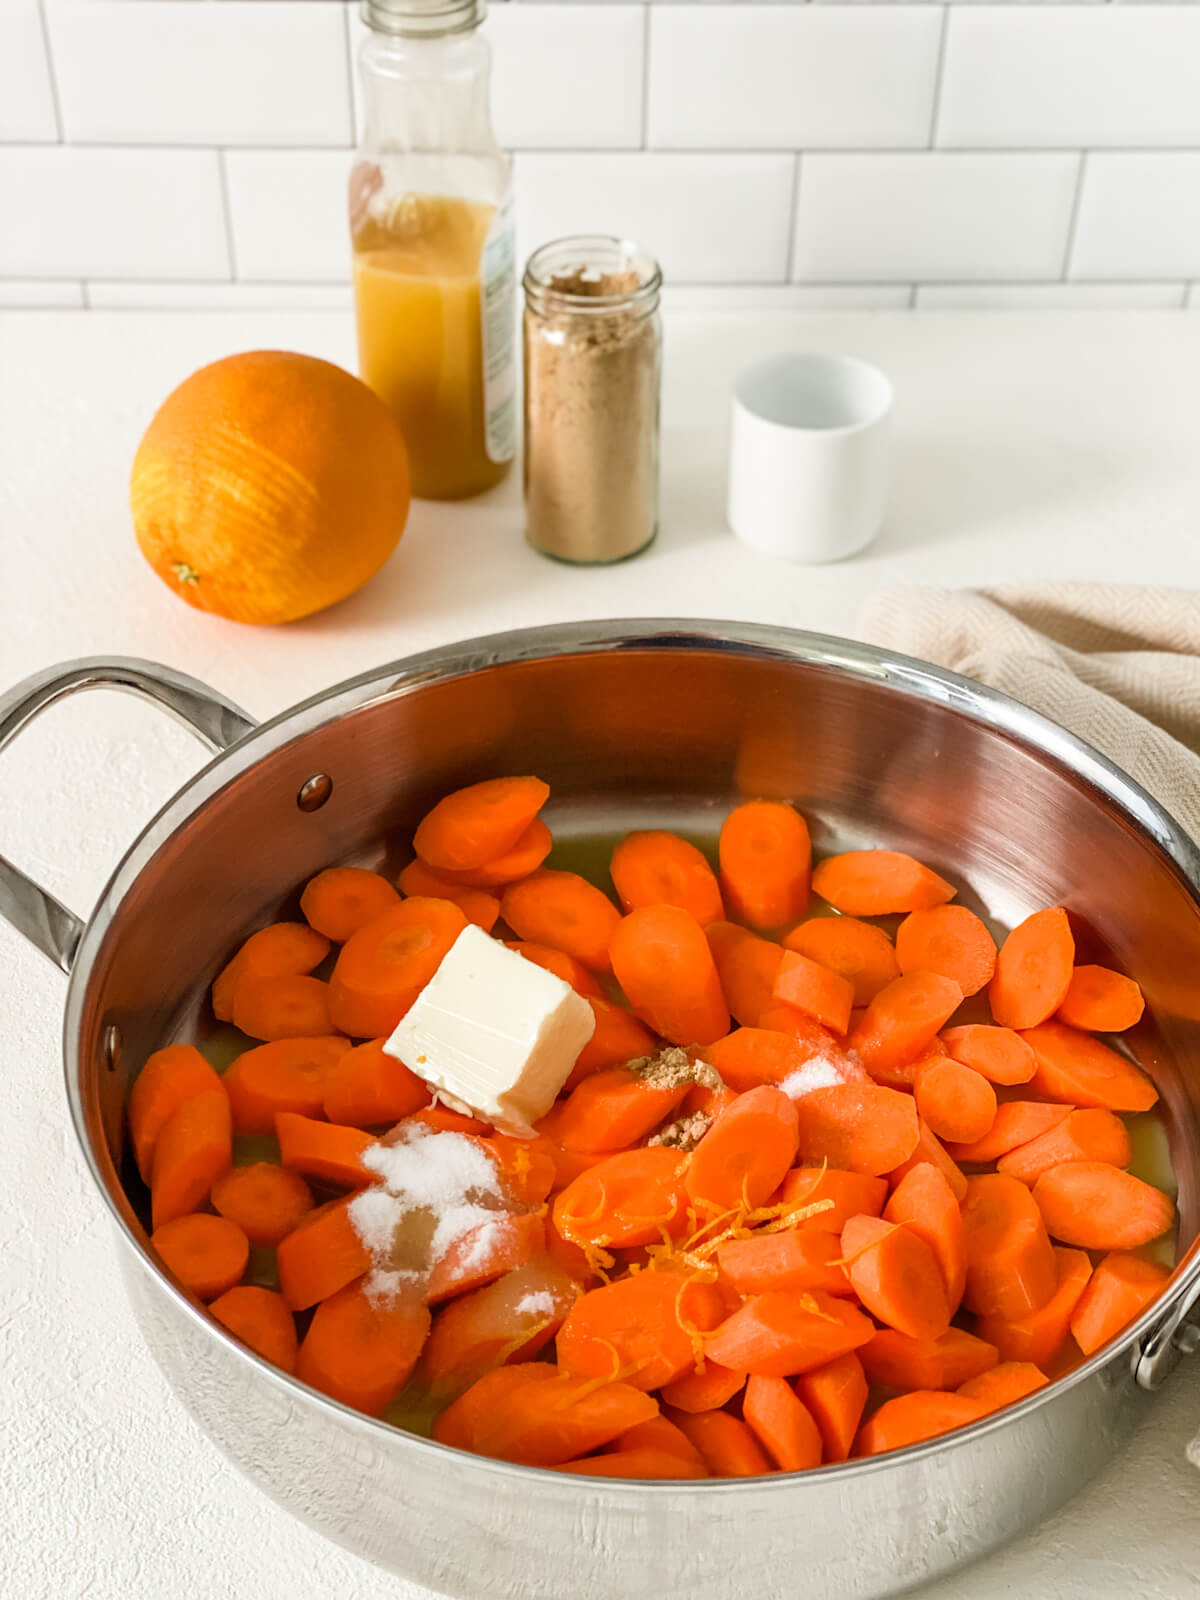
(384, 1285)
(538, 1304)
(819, 1073)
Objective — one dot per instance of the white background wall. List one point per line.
(195, 152)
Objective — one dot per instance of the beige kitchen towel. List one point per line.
(1116, 664)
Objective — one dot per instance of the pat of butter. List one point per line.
(495, 1034)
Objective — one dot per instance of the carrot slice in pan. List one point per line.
(626, 1199)
(652, 868)
(896, 1275)
(516, 1315)
(276, 951)
(526, 856)
(341, 900)
(282, 1008)
(259, 1318)
(853, 1194)
(875, 883)
(618, 1037)
(747, 967)
(998, 1054)
(782, 1423)
(1005, 1385)
(172, 1075)
(497, 1392)
(748, 1057)
(561, 965)
(1074, 1067)
(743, 1158)
(860, 1127)
(565, 911)
(384, 966)
(788, 1331)
(1098, 1207)
(794, 1258)
(766, 860)
(931, 1149)
(323, 1150)
(1017, 1122)
(1038, 1336)
(924, 1200)
(911, 1418)
(728, 1446)
(475, 825)
(862, 953)
(360, 1349)
(943, 1363)
(648, 1324)
(1033, 970)
(207, 1254)
(706, 1388)
(287, 1075)
(662, 961)
(836, 1396)
(949, 940)
(825, 996)
(614, 1109)
(477, 905)
(557, 1418)
(1088, 1135)
(659, 1434)
(1010, 1261)
(485, 1253)
(904, 1018)
(957, 1102)
(366, 1086)
(265, 1201)
(1120, 1289)
(321, 1255)
(194, 1148)
(1101, 1001)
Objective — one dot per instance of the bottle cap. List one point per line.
(422, 19)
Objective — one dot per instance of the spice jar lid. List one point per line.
(428, 19)
(593, 275)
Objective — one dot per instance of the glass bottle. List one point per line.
(432, 229)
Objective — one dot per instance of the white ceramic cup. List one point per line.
(809, 456)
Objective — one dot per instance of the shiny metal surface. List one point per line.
(662, 723)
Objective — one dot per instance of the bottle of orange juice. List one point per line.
(434, 257)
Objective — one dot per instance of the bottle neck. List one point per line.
(427, 94)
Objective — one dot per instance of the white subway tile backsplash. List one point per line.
(76, 212)
(764, 77)
(26, 96)
(44, 294)
(288, 214)
(788, 296)
(266, 72)
(708, 218)
(1049, 75)
(1139, 217)
(1050, 296)
(219, 296)
(910, 217)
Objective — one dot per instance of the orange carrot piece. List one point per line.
(1088, 1135)
(1017, 1122)
(485, 1253)
(748, 1057)
(442, 1120)
(1033, 970)
(957, 1102)
(854, 1194)
(287, 1075)
(931, 1149)
(788, 1331)
(1005, 1385)
(1120, 1289)
(904, 1018)
(743, 1157)
(911, 1418)
(949, 940)
(943, 1363)
(700, 1097)
(659, 1434)
(825, 996)
(282, 1008)
(473, 826)
(265, 1201)
(728, 1446)
(1038, 1336)
(477, 905)
(527, 1167)
(747, 967)
(618, 1037)
(782, 1423)
(766, 860)
(614, 1109)
(903, 1074)
(384, 966)
(814, 1042)
(859, 1127)
(998, 1054)
(172, 1075)
(207, 1254)
(259, 1318)
(341, 900)
(551, 1419)
(795, 1258)
(561, 965)
(194, 1148)
(862, 953)
(1010, 1260)
(526, 856)
(517, 1314)
(896, 1275)
(360, 1349)
(1096, 1206)
(645, 1463)
(926, 1203)
(366, 1087)
(283, 949)
(707, 1388)
(323, 1150)
(321, 1255)
(836, 1396)
(662, 961)
(876, 883)
(626, 1199)
(565, 911)
(654, 868)
(1101, 1001)
(647, 1325)
(1076, 1068)
(462, 1423)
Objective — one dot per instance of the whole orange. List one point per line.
(269, 486)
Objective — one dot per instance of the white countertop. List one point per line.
(1030, 446)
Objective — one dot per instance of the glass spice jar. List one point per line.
(593, 369)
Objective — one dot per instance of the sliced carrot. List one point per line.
(360, 1349)
(766, 861)
(853, 1194)
(461, 1423)
(836, 1396)
(614, 1109)
(1017, 1122)
(903, 1074)
(527, 1167)
(618, 1037)
(1033, 970)
(748, 1057)
(794, 1258)
(561, 965)
(473, 826)
(443, 1120)
(815, 1044)
(265, 1201)
(653, 868)
(825, 996)
(788, 1331)
(384, 966)
(477, 905)
(565, 911)
(486, 1252)
(1089, 1135)
(323, 1150)
(904, 1018)
(277, 951)
(282, 1008)
(1037, 1336)
(998, 1054)
(859, 1127)
(659, 1434)
(259, 1318)
(1120, 1289)
(1101, 1001)
(747, 967)
(926, 1203)
(950, 940)
(705, 1388)
(321, 1255)
(931, 1149)
(943, 1363)
(1005, 1385)
(1010, 1261)
(704, 1097)
(957, 1102)
(1096, 1206)
(647, 1327)
(366, 1086)
(517, 1314)
(1074, 1067)
(911, 1418)
(552, 1419)
(862, 953)
(662, 961)
(625, 1200)
(207, 1254)
(526, 856)
(644, 1463)
(172, 1075)
(744, 1155)
(875, 883)
(193, 1149)
(288, 1075)
(897, 1276)
(341, 900)
(782, 1423)
(728, 1446)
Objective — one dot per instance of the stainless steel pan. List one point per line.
(653, 721)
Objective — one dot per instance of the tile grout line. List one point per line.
(51, 74)
(938, 78)
(793, 247)
(227, 215)
(645, 145)
(348, 49)
(1073, 221)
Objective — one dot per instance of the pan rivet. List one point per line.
(314, 792)
(111, 1046)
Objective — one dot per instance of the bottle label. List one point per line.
(498, 322)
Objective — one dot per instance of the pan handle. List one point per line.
(217, 722)
(1166, 1344)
